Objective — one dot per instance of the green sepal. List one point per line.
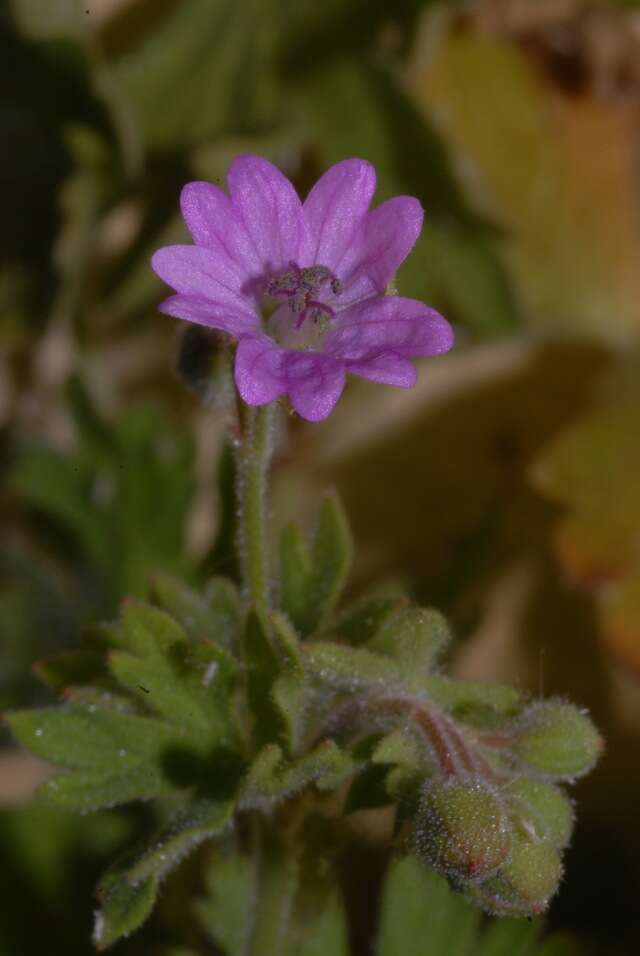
(271, 777)
(397, 749)
(483, 705)
(348, 668)
(414, 637)
(312, 583)
(124, 906)
(212, 615)
(199, 821)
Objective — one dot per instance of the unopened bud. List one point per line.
(558, 739)
(462, 830)
(544, 810)
(526, 882)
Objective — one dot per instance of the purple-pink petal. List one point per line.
(260, 369)
(214, 223)
(386, 237)
(215, 315)
(334, 211)
(405, 327)
(269, 209)
(194, 270)
(386, 369)
(314, 383)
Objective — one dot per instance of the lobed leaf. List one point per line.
(312, 583)
(213, 615)
(125, 907)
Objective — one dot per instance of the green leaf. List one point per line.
(286, 642)
(211, 73)
(326, 934)
(331, 557)
(87, 790)
(289, 694)
(262, 668)
(98, 740)
(311, 584)
(509, 937)
(170, 678)
(295, 570)
(214, 615)
(271, 778)
(348, 668)
(419, 910)
(473, 702)
(359, 621)
(414, 637)
(225, 913)
(72, 667)
(125, 907)
(200, 821)
(396, 749)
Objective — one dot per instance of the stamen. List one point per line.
(301, 286)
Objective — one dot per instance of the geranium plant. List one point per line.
(261, 713)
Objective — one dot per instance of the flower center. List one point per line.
(301, 287)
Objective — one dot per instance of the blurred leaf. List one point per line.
(107, 493)
(418, 906)
(58, 19)
(453, 265)
(421, 914)
(532, 159)
(591, 469)
(210, 73)
(225, 910)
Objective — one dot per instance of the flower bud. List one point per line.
(557, 739)
(526, 882)
(462, 830)
(544, 809)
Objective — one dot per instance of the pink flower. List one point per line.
(301, 285)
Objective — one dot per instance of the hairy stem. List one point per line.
(253, 462)
(275, 883)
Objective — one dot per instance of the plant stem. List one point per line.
(275, 884)
(253, 461)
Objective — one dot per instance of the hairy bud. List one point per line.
(558, 740)
(526, 882)
(543, 809)
(462, 830)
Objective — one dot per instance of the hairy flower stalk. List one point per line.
(253, 534)
(235, 710)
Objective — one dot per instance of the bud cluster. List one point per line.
(497, 833)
